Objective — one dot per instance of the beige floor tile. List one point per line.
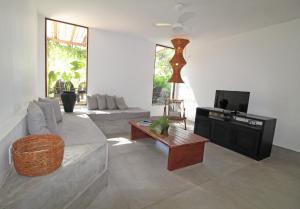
(144, 179)
(226, 180)
(199, 198)
(110, 198)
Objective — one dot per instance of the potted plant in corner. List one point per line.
(68, 97)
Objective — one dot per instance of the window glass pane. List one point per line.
(163, 72)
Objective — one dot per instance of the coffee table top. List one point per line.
(176, 137)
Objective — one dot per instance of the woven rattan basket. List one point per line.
(38, 155)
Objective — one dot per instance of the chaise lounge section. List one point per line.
(84, 170)
(111, 113)
(115, 121)
(83, 174)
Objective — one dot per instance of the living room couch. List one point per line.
(114, 121)
(82, 175)
(84, 170)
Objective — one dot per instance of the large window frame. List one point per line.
(164, 46)
(46, 52)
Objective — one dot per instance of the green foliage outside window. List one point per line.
(163, 72)
(65, 63)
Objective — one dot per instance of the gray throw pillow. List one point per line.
(36, 121)
(121, 104)
(49, 114)
(92, 103)
(56, 107)
(111, 103)
(102, 103)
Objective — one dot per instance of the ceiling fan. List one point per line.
(179, 27)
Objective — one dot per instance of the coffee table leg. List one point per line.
(137, 133)
(185, 155)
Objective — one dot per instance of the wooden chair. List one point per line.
(81, 91)
(174, 110)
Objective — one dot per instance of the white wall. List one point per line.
(41, 55)
(118, 64)
(18, 70)
(121, 65)
(265, 62)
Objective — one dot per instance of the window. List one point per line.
(163, 72)
(66, 59)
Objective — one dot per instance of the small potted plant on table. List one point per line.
(160, 126)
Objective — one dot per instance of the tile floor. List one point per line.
(138, 179)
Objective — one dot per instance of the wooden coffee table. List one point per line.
(185, 148)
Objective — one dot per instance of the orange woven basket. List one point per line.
(38, 155)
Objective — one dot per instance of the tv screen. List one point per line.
(232, 100)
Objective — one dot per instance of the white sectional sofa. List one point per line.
(111, 113)
(84, 171)
(115, 121)
(83, 174)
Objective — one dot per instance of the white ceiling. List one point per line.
(214, 18)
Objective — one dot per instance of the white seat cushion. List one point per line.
(79, 129)
(36, 121)
(92, 103)
(111, 103)
(101, 100)
(56, 107)
(49, 114)
(121, 104)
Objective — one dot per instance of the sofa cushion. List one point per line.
(92, 103)
(120, 102)
(56, 107)
(49, 114)
(71, 130)
(36, 121)
(130, 113)
(111, 103)
(101, 100)
(112, 121)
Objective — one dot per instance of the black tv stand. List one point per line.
(248, 134)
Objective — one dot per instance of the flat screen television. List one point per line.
(232, 100)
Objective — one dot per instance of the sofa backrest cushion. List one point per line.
(102, 102)
(36, 121)
(111, 102)
(49, 114)
(92, 103)
(121, 104)
(56, 107)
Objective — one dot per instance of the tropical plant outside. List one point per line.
(163, 72)
(66, 64)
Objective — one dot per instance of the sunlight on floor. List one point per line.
(83, 116)
(119, 141)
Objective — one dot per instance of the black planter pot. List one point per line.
(68, 99)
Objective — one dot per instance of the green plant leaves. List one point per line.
(159, 125)
(77, 65)
(67, 63)
(163, 72)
